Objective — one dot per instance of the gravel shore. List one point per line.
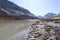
(43, 31)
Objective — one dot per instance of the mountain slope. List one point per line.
(49, 15)
(12, 10)
(39, 17)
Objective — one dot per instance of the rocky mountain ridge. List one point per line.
(10, 9)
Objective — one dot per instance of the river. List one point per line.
(10, 29)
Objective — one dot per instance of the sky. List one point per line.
(39, 7)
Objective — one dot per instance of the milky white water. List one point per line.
(10, 29)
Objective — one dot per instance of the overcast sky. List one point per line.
(39, 7)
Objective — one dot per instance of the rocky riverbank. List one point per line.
(43, 31)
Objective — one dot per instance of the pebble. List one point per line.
(41, 31)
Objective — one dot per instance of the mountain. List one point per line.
(49, 15)
(9, 9)
(55, 18)
(39, 16)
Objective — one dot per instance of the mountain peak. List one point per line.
(48, 15)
